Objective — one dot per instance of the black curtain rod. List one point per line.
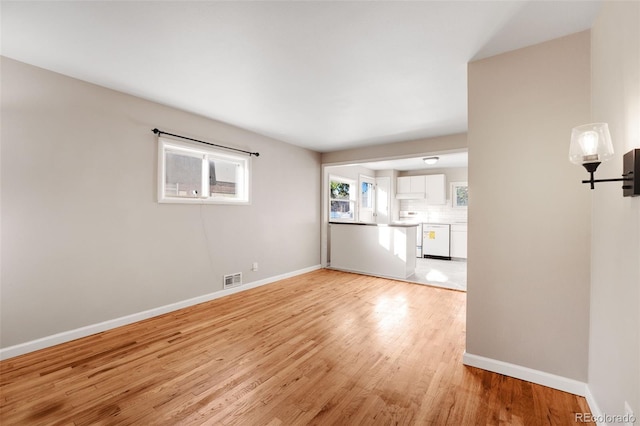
(160, 132)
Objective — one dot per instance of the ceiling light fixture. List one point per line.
(591, 145)
(431, 160)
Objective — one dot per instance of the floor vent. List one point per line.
(233, 280)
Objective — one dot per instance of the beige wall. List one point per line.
(614, 352)
(407, 149)
(529, 220)
(83, 238)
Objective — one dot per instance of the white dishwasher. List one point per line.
(436, 240)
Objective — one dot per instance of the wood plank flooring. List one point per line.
(324, 348)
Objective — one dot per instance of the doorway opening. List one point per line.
(377, 200)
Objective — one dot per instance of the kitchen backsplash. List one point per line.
(434, 213)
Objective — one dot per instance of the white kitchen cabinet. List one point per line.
(459, 240)
(411, 187)
(403, 185)
(435, 189)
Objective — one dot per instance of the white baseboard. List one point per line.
(67, 336)
(593, 406)
(524, 373)
(539, 377)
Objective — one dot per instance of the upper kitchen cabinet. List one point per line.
(411, 187)
(436, 191)
(430, 187)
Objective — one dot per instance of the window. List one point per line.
(367, 195)
(188, 173)
(459, 194)
(342, 198)
(367, 199)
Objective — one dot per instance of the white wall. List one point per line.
(454, 174)
(529, 219)
(351, 172)
(614, 350)
(83, 238)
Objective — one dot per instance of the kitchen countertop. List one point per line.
(394, 225)
(445, 223)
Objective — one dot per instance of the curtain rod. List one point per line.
(160, 132)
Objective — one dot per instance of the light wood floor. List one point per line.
(322, 348)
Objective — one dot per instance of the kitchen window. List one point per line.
(459, 195)
(366, 212)
(193, 174)
(342, 198)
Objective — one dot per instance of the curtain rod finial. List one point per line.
(156, 131)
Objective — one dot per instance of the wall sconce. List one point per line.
(431, 160)
(591, 145)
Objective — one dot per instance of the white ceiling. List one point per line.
(322, 75)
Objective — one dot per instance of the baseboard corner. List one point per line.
(596, 412)
(524, 373)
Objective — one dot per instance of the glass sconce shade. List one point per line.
(590, 143)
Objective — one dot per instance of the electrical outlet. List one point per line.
(629, 417)
(255, 266)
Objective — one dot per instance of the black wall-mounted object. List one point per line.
(631, 173)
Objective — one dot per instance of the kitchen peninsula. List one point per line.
(373, 249)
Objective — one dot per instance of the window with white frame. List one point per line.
(366, 213)
(189, 173)
(342, 198)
